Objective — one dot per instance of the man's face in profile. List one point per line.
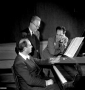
(29, 47)
(35, 25)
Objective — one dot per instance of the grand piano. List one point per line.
(70, 72)
(7, 56)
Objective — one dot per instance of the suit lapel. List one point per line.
(32, 38)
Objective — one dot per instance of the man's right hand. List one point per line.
(54, 60)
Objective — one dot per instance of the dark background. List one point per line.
(15, 16)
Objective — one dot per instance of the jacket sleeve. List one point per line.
(42, 62)
(50, 46)
(24, 72)
(62, 47)
(54, 48)
(59, 50)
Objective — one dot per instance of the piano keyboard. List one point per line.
(61, 77)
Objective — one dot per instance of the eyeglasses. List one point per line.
(30, 45)
(36, 25)
(59, 35)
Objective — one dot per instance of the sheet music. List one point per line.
(73, 47)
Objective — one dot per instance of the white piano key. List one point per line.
(61, 77)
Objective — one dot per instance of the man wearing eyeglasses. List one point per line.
(32, 33)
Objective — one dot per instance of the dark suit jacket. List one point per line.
(53, 48)
(28, 73)
(33, 39)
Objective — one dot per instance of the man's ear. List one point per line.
(24, 48)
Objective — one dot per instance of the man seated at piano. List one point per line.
(28, 69)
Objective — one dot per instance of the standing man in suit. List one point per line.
(28, 69)
(32, 33)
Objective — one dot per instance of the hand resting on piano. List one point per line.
(54, 60)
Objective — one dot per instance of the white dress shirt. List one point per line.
(23, 56)
(30, 31)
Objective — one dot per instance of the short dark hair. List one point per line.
(22, 44)
(61, 28)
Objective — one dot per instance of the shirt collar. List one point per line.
(30, 31)
(25, 57)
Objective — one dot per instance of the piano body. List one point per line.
(70, 72)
